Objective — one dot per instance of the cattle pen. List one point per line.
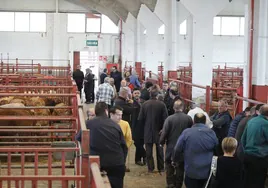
(39, 117)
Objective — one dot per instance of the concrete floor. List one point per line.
(138, 176)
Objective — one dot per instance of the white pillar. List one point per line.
(246, 55)
(56, 38)
(152, 49)
(202, 53)
(171, 34)
(175, 30)
(260, 43)
(151, 22)
(138, 33)
(190, 31)
(202, 50)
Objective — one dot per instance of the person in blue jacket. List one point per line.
(236, 120)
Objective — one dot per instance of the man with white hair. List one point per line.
(199, 102)
(105, 92)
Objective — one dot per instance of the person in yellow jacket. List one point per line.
(116, 115)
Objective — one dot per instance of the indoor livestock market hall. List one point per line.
(134, 93)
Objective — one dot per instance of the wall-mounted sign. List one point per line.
(92, 43)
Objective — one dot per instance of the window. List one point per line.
(232, 26)
(229, 26)
(161, 30)
(242, 26)
(38, 22)
(22, 21)
(107, 26)
(93, 23)
(7, 20)
(76, 23)
(217, 26)
(183, 28)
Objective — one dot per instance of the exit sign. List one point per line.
(92, 43)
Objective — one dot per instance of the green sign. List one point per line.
(92, 43)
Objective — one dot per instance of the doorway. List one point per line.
(90, 59)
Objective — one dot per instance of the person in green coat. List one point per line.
(255, 143)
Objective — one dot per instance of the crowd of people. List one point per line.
(200, 151)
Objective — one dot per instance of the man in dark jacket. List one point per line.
(221, 121)
(236, 120)
(173, 127)
(152, 115)
(103, 76)
(88, 83)
(78, 77)
(123, 102)
(167, 99)
(138, 130)
(173, 96)
(254, 112)
(107, 141)
(145, 93)
(117, 76)
(242, 124)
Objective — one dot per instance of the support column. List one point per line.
(246, 55)
(260, 57)
(138, 34)
(152, 49)
(151, 22)
(56, 38)
(202, 50)
(190, 31)
(174, 34)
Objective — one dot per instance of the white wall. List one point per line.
(25, 45)
(227, 49)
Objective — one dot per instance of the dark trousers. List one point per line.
(116, 175)
(255, 171)
(140, 151)
(88, 92)
(92, 95)
(175, 175)
(195, 183)
(150, 158)
(80, 91)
